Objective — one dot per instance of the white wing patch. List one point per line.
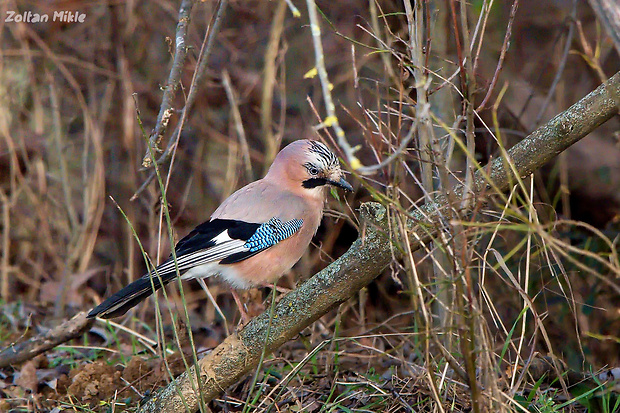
(224, 247)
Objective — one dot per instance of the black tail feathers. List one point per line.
(130, 296)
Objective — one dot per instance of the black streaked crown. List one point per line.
(325, 156)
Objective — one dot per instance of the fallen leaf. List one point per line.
(27, 378)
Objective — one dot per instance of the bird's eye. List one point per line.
(313, 170)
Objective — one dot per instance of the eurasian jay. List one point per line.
(256, 235)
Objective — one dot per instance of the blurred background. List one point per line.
(71, 99)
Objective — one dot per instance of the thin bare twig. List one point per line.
(203, 58)
(326, 86)
(404, 143)
(243, 141)
(293, 9)
(469, 88)
(459, 48)
(562, 65)
(174, 80)
(500, 63)
(415, 27)
(608, 13)
(272, 142)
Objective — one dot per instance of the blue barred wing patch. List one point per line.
(272, 232)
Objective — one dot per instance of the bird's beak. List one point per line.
(341, 184)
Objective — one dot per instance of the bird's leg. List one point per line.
(282, 290)
(245, 318)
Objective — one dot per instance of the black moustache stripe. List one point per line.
(314, 182)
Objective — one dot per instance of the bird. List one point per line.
(254, 236)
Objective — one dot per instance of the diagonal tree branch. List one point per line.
(68, 330)
(369, 255)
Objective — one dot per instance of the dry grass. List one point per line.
(451, 327)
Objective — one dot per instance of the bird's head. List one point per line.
(310, 165)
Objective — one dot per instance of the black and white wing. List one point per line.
(222, 241)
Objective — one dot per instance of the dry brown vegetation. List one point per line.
(482, 318)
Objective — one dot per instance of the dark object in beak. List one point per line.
(342, 184)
